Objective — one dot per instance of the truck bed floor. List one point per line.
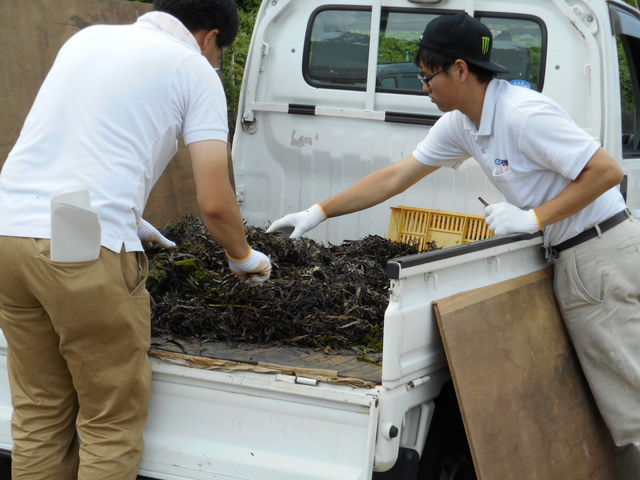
(343, 365)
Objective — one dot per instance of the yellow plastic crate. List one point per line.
(420, 226)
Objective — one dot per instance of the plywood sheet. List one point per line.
(31, 32)
(526, 407)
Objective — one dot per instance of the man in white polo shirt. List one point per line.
(554, 177)
(106, 121)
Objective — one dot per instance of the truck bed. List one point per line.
(346, 367)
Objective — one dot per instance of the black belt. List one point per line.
(591, 232)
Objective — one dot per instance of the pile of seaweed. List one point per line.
(329, 297)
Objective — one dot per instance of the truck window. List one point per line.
(629, 94)
(399, 36)
(337, 49)
(518, 44)
(626, 27)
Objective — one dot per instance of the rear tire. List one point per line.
(446, 454)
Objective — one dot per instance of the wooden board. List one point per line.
(345, 363)
(31, 32)
(526, 406)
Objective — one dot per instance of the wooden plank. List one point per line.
(208, 363)
(340, 363)
(526, 406)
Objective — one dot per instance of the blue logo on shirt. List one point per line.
(520, 83)
(500, 162)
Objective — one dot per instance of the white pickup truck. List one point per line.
(329, 94)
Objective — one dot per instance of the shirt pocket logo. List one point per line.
(500, 167)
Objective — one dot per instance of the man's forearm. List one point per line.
(216, 198)
(227, 229)
(600, 174)
(377, 187)
(364, 194)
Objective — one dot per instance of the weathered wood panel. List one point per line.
(526, 406)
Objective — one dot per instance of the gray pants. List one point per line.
(597, 286)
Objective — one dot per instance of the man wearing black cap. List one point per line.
(554, 177)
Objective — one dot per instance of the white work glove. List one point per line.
(297, 224)
(504, 218)
(254, 268)
(149, 233)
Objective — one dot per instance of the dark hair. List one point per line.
(199, 15)
(436, 61)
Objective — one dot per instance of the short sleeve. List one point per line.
(442, 147)
(203, 101)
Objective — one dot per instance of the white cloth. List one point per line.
(529, 148)
(108, 115)
(297, 224)
(149, 233)
(254, 269)
(504, 218)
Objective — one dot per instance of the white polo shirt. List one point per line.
(530, 149)
(108, 116)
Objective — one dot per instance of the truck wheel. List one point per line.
(457, 466)
(446, 455)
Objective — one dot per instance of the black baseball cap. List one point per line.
(461, 36)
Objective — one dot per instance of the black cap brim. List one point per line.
(493, 67)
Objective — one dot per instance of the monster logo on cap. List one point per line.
(485, 45)
(460, 36)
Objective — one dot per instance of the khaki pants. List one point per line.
(78, 336)
(597, 286)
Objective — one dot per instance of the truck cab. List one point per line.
(330, 93)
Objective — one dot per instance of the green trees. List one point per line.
(247, 5)
(235, 56)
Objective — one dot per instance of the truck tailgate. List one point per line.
(242, 424)
(234, 424)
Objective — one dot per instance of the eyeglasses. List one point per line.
(425, 80)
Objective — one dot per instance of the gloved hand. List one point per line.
(504, 218)
(297, 224)
(149, 233)
(254, 268)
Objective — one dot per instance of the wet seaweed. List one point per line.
(320, 296)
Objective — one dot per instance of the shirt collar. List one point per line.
(171, 26)
(488, 111)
